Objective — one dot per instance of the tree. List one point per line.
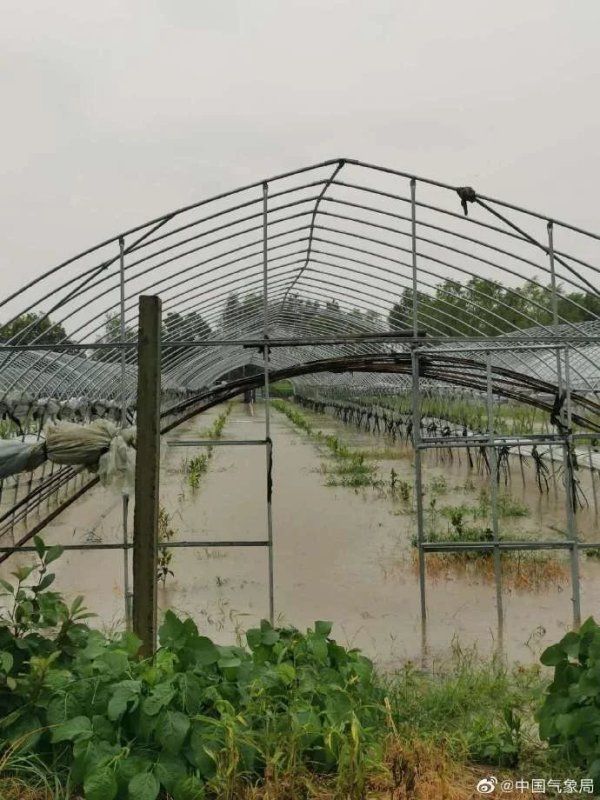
(112, 335)
(189, 327)
(32, 327)
(482, 307)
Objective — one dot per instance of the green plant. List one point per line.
(197, 717)
(295, 416)
(438, 485)
(506, 505)
(196, 467)
(166, 532)
(570, 715)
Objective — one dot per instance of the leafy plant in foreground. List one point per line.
(196, 719)
(570, 715)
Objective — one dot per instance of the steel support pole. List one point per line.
(126, 590)
(147, 467)
(568, 442)
(416, 420)
(554, 296)
(494, 501)
(269, 443)
(594, 492)
(570, 497)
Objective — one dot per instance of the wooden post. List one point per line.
(147, 465)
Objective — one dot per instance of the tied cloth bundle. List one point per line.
(101, 446)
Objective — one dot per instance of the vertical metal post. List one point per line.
(568, 441)
(415, 301)
(269, 443)
(554, 288)
(568, 472)
(123, 333)
(416, 420)
(494, 500)
(147, 467)
(594, 492)
(126, 591)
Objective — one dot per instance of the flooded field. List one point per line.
(341, 553)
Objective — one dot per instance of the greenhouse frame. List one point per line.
(342, 277)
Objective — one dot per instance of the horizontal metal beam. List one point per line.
(441, 442)
(457, 547)
(121, 546)
(491, 344)
(214, 442)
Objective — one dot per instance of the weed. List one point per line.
(166, 533)
(438, 485)
(196, 467)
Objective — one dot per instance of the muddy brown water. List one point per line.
(340, 554)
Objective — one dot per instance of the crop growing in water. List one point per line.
(350, 467)
(196, 467)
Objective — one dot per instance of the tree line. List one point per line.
(484, 307)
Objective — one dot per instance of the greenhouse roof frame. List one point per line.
(348, 235)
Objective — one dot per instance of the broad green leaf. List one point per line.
(190, 788)
(201, 748)
(100, 784)
(143, 787)
(203, 650)
(75, 728)
(254, 638)
(160, 697)
(172, 729)
(128, 768)
(23, 572)
(570, 644)
(130, 643)
(114, 662)
(173, 632)
(170, 770)
(192, 693)
(323, 628)
(6, 661)
(318, 647)
(46, 581)
(553, 655)
(103, 729)
(52, 553)
(8, 586)
(25, 733)
(63, 708)
(40, 547)
(95, 646)
(270, 637)
(229, 662)
(286, 672)
(339, 707)
(124, 693)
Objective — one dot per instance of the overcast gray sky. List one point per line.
(116, 111)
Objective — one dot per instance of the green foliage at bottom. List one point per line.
(570, 715)
(198, 718)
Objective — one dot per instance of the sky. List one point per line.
(115, 112)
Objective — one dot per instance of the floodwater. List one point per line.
(340, 554)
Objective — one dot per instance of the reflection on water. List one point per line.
(340, 554)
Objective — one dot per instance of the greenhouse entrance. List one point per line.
(426, 389)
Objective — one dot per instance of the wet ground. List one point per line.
(340, 554)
